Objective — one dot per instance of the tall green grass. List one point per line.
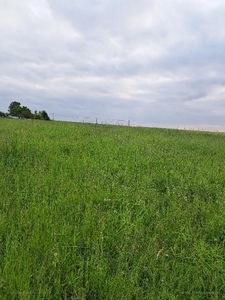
(109, 212)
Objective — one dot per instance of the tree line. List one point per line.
(23, 112)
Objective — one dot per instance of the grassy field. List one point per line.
(107, 212)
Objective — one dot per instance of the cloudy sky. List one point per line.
(153, 62)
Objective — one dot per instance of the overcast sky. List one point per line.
(153, 62)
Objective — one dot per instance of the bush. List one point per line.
(2, 114)
(26, 114)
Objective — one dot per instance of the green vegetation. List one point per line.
(23, 112)
(109, 212)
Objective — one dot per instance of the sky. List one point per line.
(157, 63)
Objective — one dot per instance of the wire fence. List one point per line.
(86, 119)
(124, 122)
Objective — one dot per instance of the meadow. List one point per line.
(110, 212)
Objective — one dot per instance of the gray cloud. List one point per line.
(153, 62)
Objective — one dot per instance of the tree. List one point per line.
(26, 113)
(37, 116)
(15, 109)
(44, 115)
(2, 114)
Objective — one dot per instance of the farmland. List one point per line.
(110, 212)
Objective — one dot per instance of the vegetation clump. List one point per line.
(3, 115)
(16, 110)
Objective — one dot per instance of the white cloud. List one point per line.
(149, 61)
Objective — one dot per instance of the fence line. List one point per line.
(96, 120)
(121, 122)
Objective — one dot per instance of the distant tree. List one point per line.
(26, 113)
(2, 114)
(44, 115)
(15, 109)
(37, 116)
